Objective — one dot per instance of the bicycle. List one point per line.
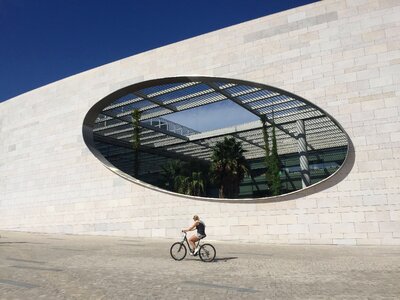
(206, 251)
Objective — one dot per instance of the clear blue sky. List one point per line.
(42, 41)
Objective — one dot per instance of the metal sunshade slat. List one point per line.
(294, 116)
(325, 135)
(240, 90)
(189, 96)
(109, 126)
(113, 133)
(181, 150)
(177, 95)
(271, 102)
(166, 142)
(181, 146)
(281, 107)
(150, 139)
(130, 99)
(258, 95)
(197, 152)
(156, 112)
(166, 89)
(199, 101)
(224, 85)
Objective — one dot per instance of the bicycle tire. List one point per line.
(207, 253)
(178, 251)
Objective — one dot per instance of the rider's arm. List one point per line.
(191, 227)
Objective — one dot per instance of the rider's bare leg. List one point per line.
(192, 241)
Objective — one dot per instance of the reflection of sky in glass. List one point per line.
(213, 116)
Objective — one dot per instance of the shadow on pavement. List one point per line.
(225, 258)
(217, 259)
(14, 243)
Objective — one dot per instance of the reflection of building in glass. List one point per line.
(322, 164)
(170, 126)
(304, 132)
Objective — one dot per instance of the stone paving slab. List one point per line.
(44, 266)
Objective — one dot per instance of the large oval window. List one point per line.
(215, 137)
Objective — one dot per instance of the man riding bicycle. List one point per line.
(201, 233)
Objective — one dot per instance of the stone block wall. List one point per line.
(342, 55)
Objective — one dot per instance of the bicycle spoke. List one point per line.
(178, 251)
(207, 253)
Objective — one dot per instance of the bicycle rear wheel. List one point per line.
(178, 251)
(207, 252)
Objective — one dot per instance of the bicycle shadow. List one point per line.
(225, 258)
(217, 259)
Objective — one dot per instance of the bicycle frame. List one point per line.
(206, 251)
(184, 239)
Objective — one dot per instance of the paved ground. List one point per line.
(39, 266)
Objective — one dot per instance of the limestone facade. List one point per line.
(342, 55)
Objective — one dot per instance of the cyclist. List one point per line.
(201, 233)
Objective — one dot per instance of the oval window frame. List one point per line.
(95, 110)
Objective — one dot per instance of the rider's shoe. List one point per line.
(196, 250)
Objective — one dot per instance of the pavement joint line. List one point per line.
(26, 260)
(18, 284)
(67, 249)
(2, 243)
(133, 241)
(37, 268)
(248, 253)
(35, 243)
(213, 285)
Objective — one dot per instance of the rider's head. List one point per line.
(196, 218)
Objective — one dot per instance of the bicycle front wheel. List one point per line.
(178, 251)
(207, 252)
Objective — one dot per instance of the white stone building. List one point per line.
(342, 55)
